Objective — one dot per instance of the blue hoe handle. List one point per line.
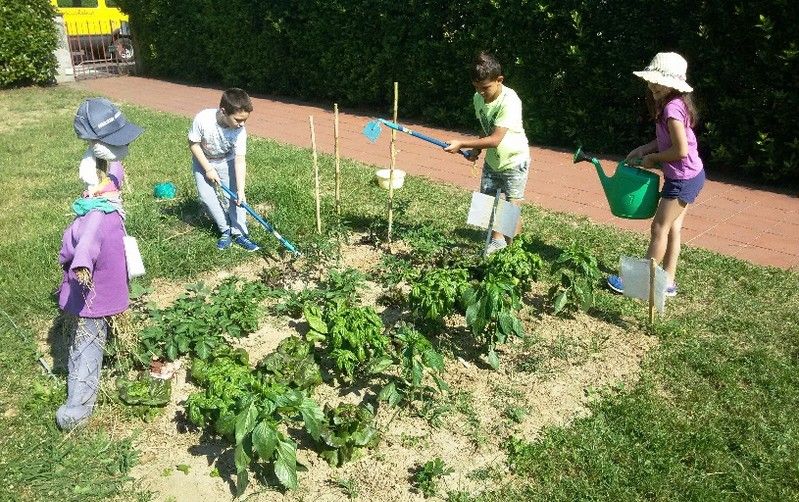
(425, 137)
(286, 244)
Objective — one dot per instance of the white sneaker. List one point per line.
(495, 245)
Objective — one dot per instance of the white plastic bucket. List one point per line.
(382, 176)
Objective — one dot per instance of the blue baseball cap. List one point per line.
(98, 119)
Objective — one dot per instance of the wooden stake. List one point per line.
(338, 160)
(316, 178)
(652, 269)
(392, 166)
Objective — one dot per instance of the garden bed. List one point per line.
(546, 379)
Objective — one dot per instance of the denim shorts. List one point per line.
(684, 190)
(511, 181)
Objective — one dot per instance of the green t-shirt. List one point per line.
(504, 111)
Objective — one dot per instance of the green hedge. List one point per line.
(28, 38)
(569, 60)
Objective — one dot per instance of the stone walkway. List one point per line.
(749, 223)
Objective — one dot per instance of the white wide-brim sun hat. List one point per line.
(668, 69)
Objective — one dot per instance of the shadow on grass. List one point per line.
(58, 339)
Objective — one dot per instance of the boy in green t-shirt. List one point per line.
(499, 111)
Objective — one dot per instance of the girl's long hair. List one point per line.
(656, 107)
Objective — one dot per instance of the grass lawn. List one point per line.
(713, 416)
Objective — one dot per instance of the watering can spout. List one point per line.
(580, 156)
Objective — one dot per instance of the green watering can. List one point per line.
(632, 192)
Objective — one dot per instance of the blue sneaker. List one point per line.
(243, 241)
(672, 290)
(224, 242)
(614, 283)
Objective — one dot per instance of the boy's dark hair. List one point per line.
(485, 67)
(656, 107)
(235, 100)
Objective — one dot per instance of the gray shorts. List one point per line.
(511, 181)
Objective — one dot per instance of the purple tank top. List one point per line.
(689, 166)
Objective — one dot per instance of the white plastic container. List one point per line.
(382, 176)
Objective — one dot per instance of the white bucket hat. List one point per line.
(668, 69)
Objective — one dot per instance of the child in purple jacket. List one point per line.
(95, 279)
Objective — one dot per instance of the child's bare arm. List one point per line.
(240, 167)
(210, 173)
(491, 141)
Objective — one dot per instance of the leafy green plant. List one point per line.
(427, 476)
(576, 274)
(435, 294)
(347, 432)
(416, 359)
(349, 487)
(198, 320)
(248, 407)
(339, 287)
(352, 339)
(517, 263)
(293, 364)
(145, 395)
(491, 308)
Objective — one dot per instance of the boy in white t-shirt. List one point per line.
(499, 111)
(218, 143)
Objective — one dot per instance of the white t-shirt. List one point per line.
(216, 141)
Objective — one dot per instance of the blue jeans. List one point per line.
(227, 216)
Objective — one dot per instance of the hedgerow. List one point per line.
(28, 38)
(570, 61)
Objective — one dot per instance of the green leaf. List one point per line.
(245, 422)
(314, 319)
(264, 440)
(560, 301)
(433, 360)
(389, 394)
(471, 313)
(441, 384)
(518, 327)
(184, 468)
(506, 322)
(493, 360)
(313, 416)
(286, 463)
(242, 461)
(382, 364)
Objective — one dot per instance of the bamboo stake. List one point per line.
(338, 160)
(652, 268)
(392, 166)
(316, 177)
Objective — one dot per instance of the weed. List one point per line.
(426, 477)
(349, 487)
(576, 274)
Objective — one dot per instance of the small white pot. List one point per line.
(382, 176)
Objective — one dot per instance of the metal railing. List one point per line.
(100, 48)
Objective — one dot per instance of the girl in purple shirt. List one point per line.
(674, 150)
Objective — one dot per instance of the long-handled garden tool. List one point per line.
(632, 192)
(372, 131)
(286, 244)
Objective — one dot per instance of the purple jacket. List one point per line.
(94, 241)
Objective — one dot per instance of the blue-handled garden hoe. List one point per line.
(372, 132)
(286, 244)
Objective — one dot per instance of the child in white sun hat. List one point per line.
(674, 150)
